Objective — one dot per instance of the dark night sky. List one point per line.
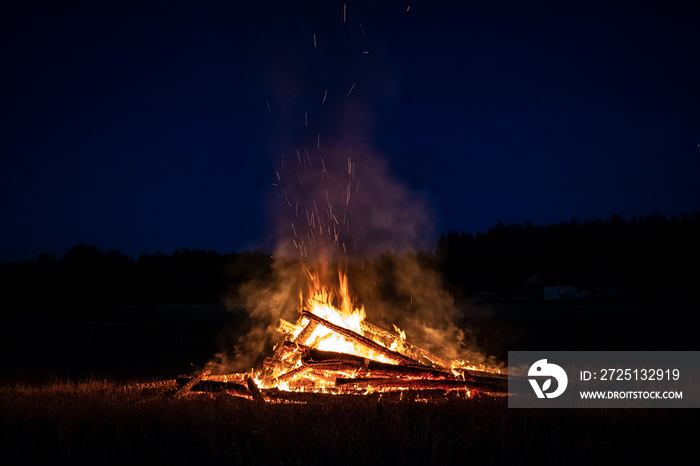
(145, 127)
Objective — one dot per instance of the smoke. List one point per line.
(266, 301)
(332, 211)
(341, 209)
(336, 205)
(407, 291)
(342, 203)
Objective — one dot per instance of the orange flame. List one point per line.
(336, 306)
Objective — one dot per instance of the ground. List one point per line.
(74, 395)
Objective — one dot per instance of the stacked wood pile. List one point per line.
(297, 368)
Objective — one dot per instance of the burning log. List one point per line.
(378, 333)
(421, 353)
(185, 389)
(419, 384)
(329, 360)
(289, 329)
(160, 384)
(254, 390)
(286, 328)
(364, 360)
(393, 356)
(306, 332)
(378, 369)
(236, 378)
(213, 384)
(280, 356)
(416, 352)
(293, 373)
(347, 373)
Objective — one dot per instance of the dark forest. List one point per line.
(646, 257)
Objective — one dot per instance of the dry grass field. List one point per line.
(100, 422)
(71, 396)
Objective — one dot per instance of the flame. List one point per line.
(320, 303)
(288, 369)
(399, 343)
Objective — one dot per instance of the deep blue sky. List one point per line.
(145, 126)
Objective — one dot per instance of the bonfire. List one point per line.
(333, 349)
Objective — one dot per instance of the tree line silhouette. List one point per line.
(87, 282)
(652, 256)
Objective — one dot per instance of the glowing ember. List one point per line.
(333, 349)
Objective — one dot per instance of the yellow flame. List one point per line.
(320, 303)
(336, 305)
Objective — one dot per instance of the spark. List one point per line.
(314, 40)
(345, 7)
(278, 176)
(353, 87)
(318, 141)
(365, 52)
(408, 8)
(268, 106)
(325, 94)
(363, 30)
(294, 230)
(298, 157)
(286, 198)
(306, 118)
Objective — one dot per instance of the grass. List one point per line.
(57, 407)
(101, 422)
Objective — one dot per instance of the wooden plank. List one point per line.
(415, 351)
(236, 377)
(393, 356)
(306, 332)
(421, 384)
(292, 373)
(254, 390)
(185, 389)
(286, 328)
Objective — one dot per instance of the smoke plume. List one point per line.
(336, 206)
